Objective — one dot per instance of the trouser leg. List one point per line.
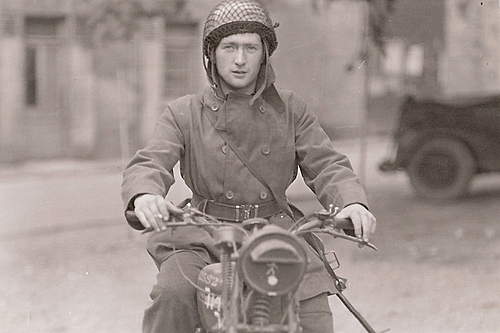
(174, 299)
(315, 315)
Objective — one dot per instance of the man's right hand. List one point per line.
(154, 211)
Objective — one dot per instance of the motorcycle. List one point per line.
(253, 287)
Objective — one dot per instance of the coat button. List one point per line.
(229, 195)
(224, 148)
(262, 109)
(263, 195)
(266, 150)
(214, 108)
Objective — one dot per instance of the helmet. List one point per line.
(238, 16)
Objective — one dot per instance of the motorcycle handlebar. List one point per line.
(131, 217)
(344, 224)
(317, 222)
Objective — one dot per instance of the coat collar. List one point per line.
(213, 101)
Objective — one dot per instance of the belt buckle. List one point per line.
(247, 211)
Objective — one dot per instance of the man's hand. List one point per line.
(364, 222)
(153, 211)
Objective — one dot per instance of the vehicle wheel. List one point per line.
(441, 169)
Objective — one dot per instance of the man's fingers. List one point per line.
(154, 210)
(366, 225)
(370, 224)
(153, 219)
(159, 217)
(173, 208)
(357, 223)
(161, 205)
(142, 218)
(374, 224)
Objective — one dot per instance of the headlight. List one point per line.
(272, 261)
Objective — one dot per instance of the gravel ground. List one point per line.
(436, 269)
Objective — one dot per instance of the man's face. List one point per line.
(238, 58)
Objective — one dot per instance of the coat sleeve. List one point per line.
(327, 172)
(151, 168)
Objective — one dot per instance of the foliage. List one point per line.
(379, 13)
(120, 19)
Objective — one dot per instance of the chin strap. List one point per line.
(262, 80)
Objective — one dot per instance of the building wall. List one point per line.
(11, 93)
(99, 95)
(471, 62)
(56, 119)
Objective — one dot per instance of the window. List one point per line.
(30, 70)
(43, 26)
(39, 62)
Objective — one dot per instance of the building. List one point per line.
(64, 93)
(435, 49)
(65, 96)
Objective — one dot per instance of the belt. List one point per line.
(236, 213)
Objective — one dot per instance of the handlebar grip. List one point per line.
(131, 217)
(345, 224)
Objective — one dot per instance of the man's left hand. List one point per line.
(363, 220)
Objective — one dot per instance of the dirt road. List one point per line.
(68, 263)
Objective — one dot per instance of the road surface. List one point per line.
(68, 262)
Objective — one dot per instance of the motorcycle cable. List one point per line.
(342, 297)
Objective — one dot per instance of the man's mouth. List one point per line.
(239, 72)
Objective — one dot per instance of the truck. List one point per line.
(443, 143)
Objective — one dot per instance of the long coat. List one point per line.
(275, 132)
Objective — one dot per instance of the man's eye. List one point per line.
(228, 47)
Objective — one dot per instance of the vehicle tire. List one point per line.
(441, 169)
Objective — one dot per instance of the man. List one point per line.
(239, 142)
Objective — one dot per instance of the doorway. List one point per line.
(45, 124)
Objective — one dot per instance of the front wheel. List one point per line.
(441, 169)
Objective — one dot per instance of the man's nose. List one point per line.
(240, 58)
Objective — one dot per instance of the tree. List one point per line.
(379, 12)
(119, 19)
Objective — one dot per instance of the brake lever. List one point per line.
(310, 225)
(174, 218)
(361, 242)
(325, 214)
